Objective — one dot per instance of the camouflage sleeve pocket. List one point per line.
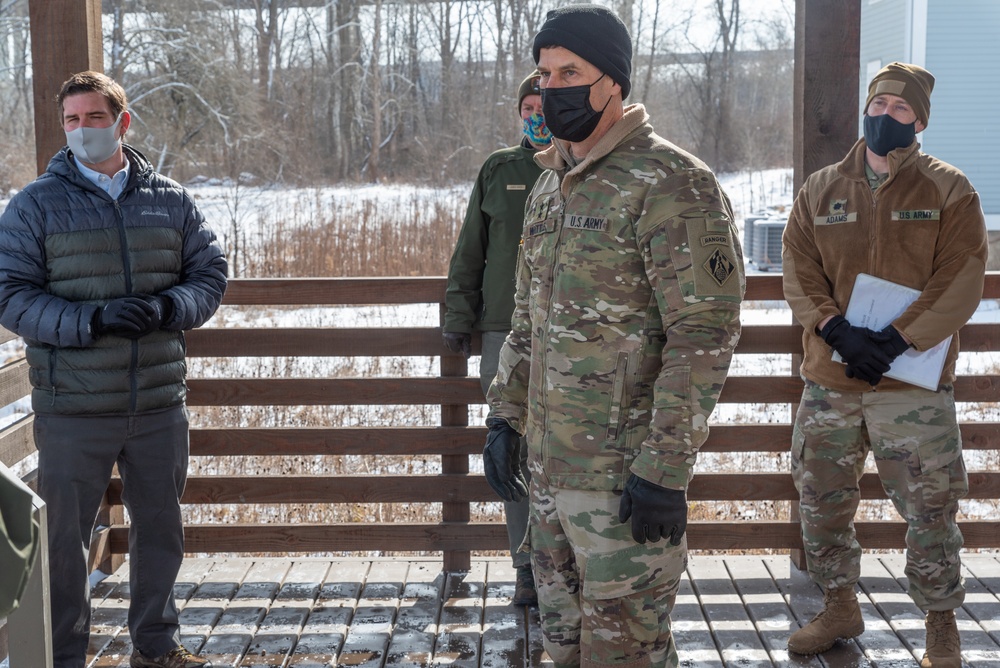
(940, 451)
(635, 569)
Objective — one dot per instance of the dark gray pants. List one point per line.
(516, 513)
(75, 457)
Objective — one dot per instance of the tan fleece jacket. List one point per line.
(923, 228)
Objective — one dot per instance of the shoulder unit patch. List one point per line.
(719, 267)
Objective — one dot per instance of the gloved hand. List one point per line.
(655, 511)
(890, 342)
(458, 342)
(502, 461)
(126, 316)
(865, 360)
(164, 308)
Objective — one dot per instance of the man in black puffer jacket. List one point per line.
(103, 265)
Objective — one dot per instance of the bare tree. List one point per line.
(319, 90)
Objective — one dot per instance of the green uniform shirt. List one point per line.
(480, 293)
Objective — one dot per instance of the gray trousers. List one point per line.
(76, 455)
(516, 513)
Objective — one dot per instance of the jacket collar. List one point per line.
(853, 166)
(558, 157)
(62, 165)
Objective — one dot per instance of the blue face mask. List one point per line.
(536, 131)
(884, 134)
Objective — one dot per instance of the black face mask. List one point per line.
(568, 113)
(884, 133)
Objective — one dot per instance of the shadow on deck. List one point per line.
(731, 611)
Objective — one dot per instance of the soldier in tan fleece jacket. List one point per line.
(890, 211)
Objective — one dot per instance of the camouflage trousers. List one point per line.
(915, 440)
(603, 599)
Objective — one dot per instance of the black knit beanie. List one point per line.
(910, 82)
(595, 34)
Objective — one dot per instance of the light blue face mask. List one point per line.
(536, 131)
(94, 145)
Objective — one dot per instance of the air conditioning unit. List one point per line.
(764, 247)
(748, 224)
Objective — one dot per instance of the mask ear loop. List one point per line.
(603, 74)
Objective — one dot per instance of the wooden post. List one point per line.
(825, 126)
(827, 66)
(65, 39)
(455, 416)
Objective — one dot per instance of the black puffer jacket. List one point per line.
(67, 248)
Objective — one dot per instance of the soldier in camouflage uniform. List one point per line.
(627, 311)
(893, 212)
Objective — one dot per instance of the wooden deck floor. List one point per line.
(732, 611)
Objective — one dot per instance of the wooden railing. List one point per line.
(453, 440)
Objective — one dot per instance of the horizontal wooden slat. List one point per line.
(777, 438)
(460, 391)
(404, 441)
(400, 537)
(17, 440)
(441, 488)
(333, 391)
(420, 290)
(787, 535)
(464, 488)
(317, 342)
(434, 537)
(761, 389)
(466, 391)
(335, 291)
(14, 383)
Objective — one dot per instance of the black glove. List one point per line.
(502, 461)
(130, 317)
(890, 342)
(655, 511)
(865, 360)
(164, 308)
(458, 342)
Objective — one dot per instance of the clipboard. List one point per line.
(875, 303)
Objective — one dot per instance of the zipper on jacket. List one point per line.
(53, 360)
(133, 366)
(123, 240)
(873, 234)
(133, 378)
(548, 317)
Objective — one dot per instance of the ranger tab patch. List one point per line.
(719, 267)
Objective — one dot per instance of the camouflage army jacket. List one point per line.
(627, 310)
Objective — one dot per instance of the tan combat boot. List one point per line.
(839, 618)
(944, 650)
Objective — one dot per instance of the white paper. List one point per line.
(875, 303)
